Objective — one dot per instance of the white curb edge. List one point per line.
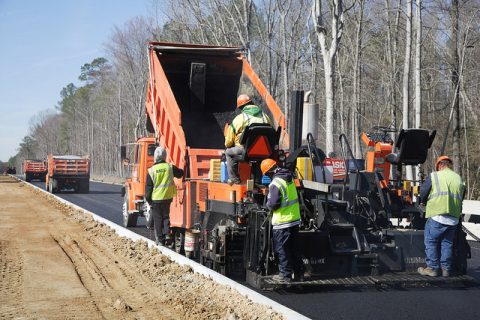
(182, 260)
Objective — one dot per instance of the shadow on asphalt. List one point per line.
(466, 285)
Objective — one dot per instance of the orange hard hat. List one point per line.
(266, 165)
(442, 159)
(242, 100)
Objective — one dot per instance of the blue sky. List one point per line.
(43, 45)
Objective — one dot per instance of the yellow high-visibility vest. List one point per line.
(446, 194)
(163, 185)
(289, 209)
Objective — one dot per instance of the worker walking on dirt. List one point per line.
(159, 192)
(444, 190)
(250, 114)
(283, 202)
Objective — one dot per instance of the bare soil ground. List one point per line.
(56, 262)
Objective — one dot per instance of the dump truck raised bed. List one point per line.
(349, 230)
(34, 170)
(68, 172)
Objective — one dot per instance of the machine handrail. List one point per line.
(346, 169)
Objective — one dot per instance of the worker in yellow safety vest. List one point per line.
(250, 113)
(159, 192)
(443, 192)
(283, 202)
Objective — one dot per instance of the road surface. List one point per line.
(329, 303)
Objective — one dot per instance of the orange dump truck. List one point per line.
(68, 172)
(192, 96)
(34, 170)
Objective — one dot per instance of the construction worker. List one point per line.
(443, 192)
(159, 192)
(283, 202)
(249, 114)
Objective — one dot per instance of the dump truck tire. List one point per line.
(129, 220)
(149, 217)
(50, 186)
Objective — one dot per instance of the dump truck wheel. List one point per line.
(129, 220)
(50, 186)
(179, 240)
(149, 217)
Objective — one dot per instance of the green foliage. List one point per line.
(67, 104)
(92, 70)
(26, 147)
(11, 162)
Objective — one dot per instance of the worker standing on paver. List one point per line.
(443, 192)
(159, 192)
(250, 114)
(283, 202)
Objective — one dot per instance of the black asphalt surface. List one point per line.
(455, 302)
(103, 199)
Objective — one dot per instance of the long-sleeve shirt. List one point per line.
(250, 114)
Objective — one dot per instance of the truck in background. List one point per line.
(68, 172)
(34, 170)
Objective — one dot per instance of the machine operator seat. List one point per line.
(259, 141)
(412, 146)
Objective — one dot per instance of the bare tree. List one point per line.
(329, 51)
(406, 76)
(418, 75)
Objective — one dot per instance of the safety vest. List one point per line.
(249, 119)
(243, 120)
(446, 194)
(163, 186)
(289, 209)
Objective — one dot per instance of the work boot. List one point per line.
(445, 273)
(159, 243)
(231, 182)
(427, 272)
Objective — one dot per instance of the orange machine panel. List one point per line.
(376, 159)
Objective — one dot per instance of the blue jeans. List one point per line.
(437, 234)
(287, 248)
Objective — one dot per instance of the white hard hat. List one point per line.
(160, 153)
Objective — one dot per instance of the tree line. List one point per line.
(393, 63)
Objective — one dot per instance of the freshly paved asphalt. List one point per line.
(329, 303)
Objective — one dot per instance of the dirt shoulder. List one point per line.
(57, 262)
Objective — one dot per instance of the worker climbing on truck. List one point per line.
(159, 192)
(250, 113)
(283, 202)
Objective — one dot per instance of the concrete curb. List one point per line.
(182, 260)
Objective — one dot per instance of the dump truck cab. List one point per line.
(139, 160)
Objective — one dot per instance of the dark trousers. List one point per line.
(161, 219)
(232, 164)
(287, 247)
